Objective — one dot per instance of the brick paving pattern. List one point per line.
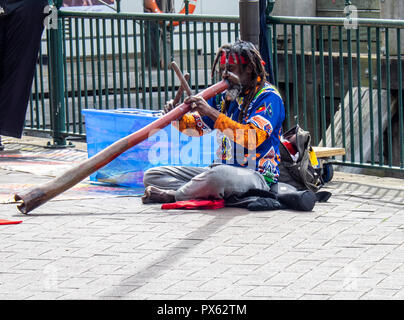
(351, 247)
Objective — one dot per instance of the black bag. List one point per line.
(299, 172)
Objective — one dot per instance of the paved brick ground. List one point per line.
(351, 247)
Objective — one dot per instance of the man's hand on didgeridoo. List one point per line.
(200, 105)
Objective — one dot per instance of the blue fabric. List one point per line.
(266, 112)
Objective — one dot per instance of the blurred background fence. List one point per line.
(341, 81)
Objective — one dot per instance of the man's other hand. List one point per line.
(168, 106)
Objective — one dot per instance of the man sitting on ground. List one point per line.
(248, 117)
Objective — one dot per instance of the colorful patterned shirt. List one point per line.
(265, 114)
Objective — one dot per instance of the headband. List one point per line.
(239, 59)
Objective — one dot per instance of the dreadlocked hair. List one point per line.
(248, 51)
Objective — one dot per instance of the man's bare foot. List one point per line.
(156, 195)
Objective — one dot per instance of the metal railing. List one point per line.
(107, 65)
(344, 85)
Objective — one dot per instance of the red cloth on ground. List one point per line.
(195, 204)
(4, 222)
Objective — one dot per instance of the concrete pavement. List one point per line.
(107, 245)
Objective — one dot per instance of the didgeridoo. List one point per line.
(34, 197)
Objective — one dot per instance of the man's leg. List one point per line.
(22, 29)
(2, 43)
(221, 182)
(170, 177)
(161, 182)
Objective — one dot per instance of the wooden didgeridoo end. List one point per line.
(32, 198)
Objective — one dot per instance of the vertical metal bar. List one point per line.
(149, 65)
(389, 117)
(77, 35)
(127, 65)
(358, 64)
(40, 121)
(165, 61)
(275, 45)
(371, 121)
(379, 96)
(303, 75)
(106, 71)
(36, 100)
(196, 65)
(72, 77)
(92, 48)
(331, 82)
(323, 112)
(114, 81)
(57, 85)
(41, 77)
(286, 57)
(314, 71)
(99, 74)
(66, 89)
(181, 47)
(31, 111)
(269, 41)
(212, 46)
(342, 87)
(188, 41)
(83, 38)
(172, 59)
(158, 35)
(351, 106)
(120, 64)
(295, 88)
(135, 58)
(205, 54)
(120, 53)
(219, 34)
(400, 99)
(48, 48)
(142, 59)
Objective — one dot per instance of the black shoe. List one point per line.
(323, 196)
(298, 200)
(265, 204)
(1, 145)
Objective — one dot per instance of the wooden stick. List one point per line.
(180, 91)
(184, 82)
(35, 197)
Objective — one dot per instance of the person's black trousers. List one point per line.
(21, 27)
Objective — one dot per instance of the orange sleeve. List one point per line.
(188, 124)
(240, 132)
